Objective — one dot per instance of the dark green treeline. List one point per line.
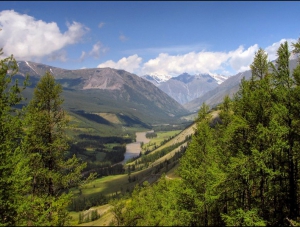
(35, 176)
(241, 170)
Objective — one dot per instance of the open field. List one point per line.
(105, 185)
(105, 216)
(161, 136)
(110, 117)
(177, 139)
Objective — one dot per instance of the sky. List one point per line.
(144, 37)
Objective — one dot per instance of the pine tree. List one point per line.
(46, 145)
(286, 117)
(201, 174)
(13, 178)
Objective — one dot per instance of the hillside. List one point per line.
(106, 90)
(228, 87)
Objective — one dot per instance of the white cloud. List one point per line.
(200, 62)
(240, 60)
(192, 62)
(101, 24)
(130, 64)
(82, 56)
(97, 49)
(95, 52)
(27, 38)
(224, 63)
(272, 50)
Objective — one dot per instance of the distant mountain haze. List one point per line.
(228, 87)
(185, 87)
(152, 99)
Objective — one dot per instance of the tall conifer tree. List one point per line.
(46, 144)
(13, 171)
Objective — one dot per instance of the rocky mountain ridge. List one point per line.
(185, 87)
(228, 87)
(109, 89)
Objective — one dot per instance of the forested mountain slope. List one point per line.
(241, 170)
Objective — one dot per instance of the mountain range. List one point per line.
(133, 99)
(228, 87)
(185, 87)
(108, 91)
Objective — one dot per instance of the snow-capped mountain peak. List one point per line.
(157, 79)
(219, 78)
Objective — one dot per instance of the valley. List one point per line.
(148, 159)
(147, 113)
(110, 113)
(128, 131)
(120, 185)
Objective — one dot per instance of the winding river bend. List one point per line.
(134, 149)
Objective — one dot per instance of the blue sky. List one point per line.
(162, 38)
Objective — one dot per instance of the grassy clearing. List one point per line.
(157, 141)
(104, 220)
(110, 185)
(111, 145)
(110, 117)
(107, 185)
(105, 216)
(177, 139)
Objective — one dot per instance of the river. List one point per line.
(134, 149)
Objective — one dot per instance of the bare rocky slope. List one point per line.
(108, 90)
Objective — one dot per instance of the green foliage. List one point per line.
(201, 173)
(259, 67)
(13, 164)
(46, 145)
(296, 46)
(241, 169)
(242, 218)
(156, 205)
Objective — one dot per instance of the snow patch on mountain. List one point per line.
(31, 67)
(219, 78)
(157, 78)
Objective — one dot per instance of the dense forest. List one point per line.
(239, 170)
(35, 172)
